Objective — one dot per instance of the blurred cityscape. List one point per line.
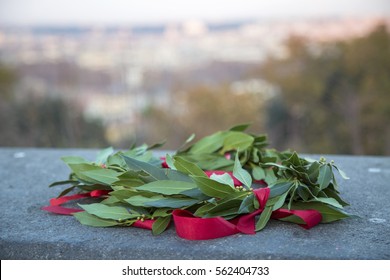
(300, 81)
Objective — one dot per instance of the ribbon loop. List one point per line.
(194, 228)
(309, 217)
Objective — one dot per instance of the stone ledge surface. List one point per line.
(29, 233)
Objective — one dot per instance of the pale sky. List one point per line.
(24, 12)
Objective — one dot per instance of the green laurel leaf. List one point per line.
(107, 212)
(161, 224)
(91, 220)
(213, 188)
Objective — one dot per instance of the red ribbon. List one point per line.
(55, 203)
(146, 224)
(310, 217)
(195, 228)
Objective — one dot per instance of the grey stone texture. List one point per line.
(27, 232)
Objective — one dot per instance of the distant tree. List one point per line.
(8, 79)
(52, 122)
(335, 96)
(42, 121)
